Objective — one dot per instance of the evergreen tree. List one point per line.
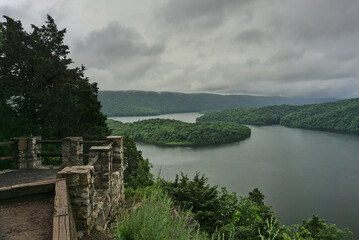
(213, 208)
(40, 90)
(137, 169)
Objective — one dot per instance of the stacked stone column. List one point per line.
(80, 184)
(117, 183)
(117, 146)
(72, 151)
(103, 166)
(27, 149)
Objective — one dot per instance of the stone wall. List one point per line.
(96, 191)
(80, 184)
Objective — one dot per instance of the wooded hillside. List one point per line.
(337, 116)
(141, 103)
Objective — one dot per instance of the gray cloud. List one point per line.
(200, 14)
(252, 36)
(104, 47)
(279, 47)
(285, 56)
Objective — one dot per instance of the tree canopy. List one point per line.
(40, 92)
(333, 116)
(174, 132)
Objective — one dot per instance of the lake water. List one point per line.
(301, 172)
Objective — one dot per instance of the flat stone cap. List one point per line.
(101, 148)
(76, 169)
(113, 137)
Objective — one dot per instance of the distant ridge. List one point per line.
(141, 103)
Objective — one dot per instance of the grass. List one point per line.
(155, 220)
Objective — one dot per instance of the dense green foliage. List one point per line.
(213, 208)
(255, 116)
(140, 103)
(157, 218)
(338, 116)
(316, 229)
(218, 210)
(247, 218)
(40, 94)
(173, 132)
(137, 169)
(5, 151)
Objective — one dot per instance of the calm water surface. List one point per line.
(301, 172)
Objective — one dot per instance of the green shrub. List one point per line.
(213, 208)
(5, 151)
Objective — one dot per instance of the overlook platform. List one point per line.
(26, 217)
(20, 176)
(78, 199)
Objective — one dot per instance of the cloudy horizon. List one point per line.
(306, 48)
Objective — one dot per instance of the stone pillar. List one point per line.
(117, 185)
(117, 146)
(72, 150)
(80, 184)
(103, 166)
(27, 149)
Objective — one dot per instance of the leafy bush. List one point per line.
(5, 151)
(51, 148)
(318, 229)
(213, 208)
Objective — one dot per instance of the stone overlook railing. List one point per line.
(96, 190)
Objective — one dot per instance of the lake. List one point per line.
(300, 172)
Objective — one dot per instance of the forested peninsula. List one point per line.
(333, 116)
(145, 103)
(174, 132)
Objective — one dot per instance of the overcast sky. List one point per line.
(263, 47)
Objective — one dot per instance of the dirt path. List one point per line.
(26, 220)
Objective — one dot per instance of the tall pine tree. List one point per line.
(40, 94)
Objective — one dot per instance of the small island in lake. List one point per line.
(174, 132)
